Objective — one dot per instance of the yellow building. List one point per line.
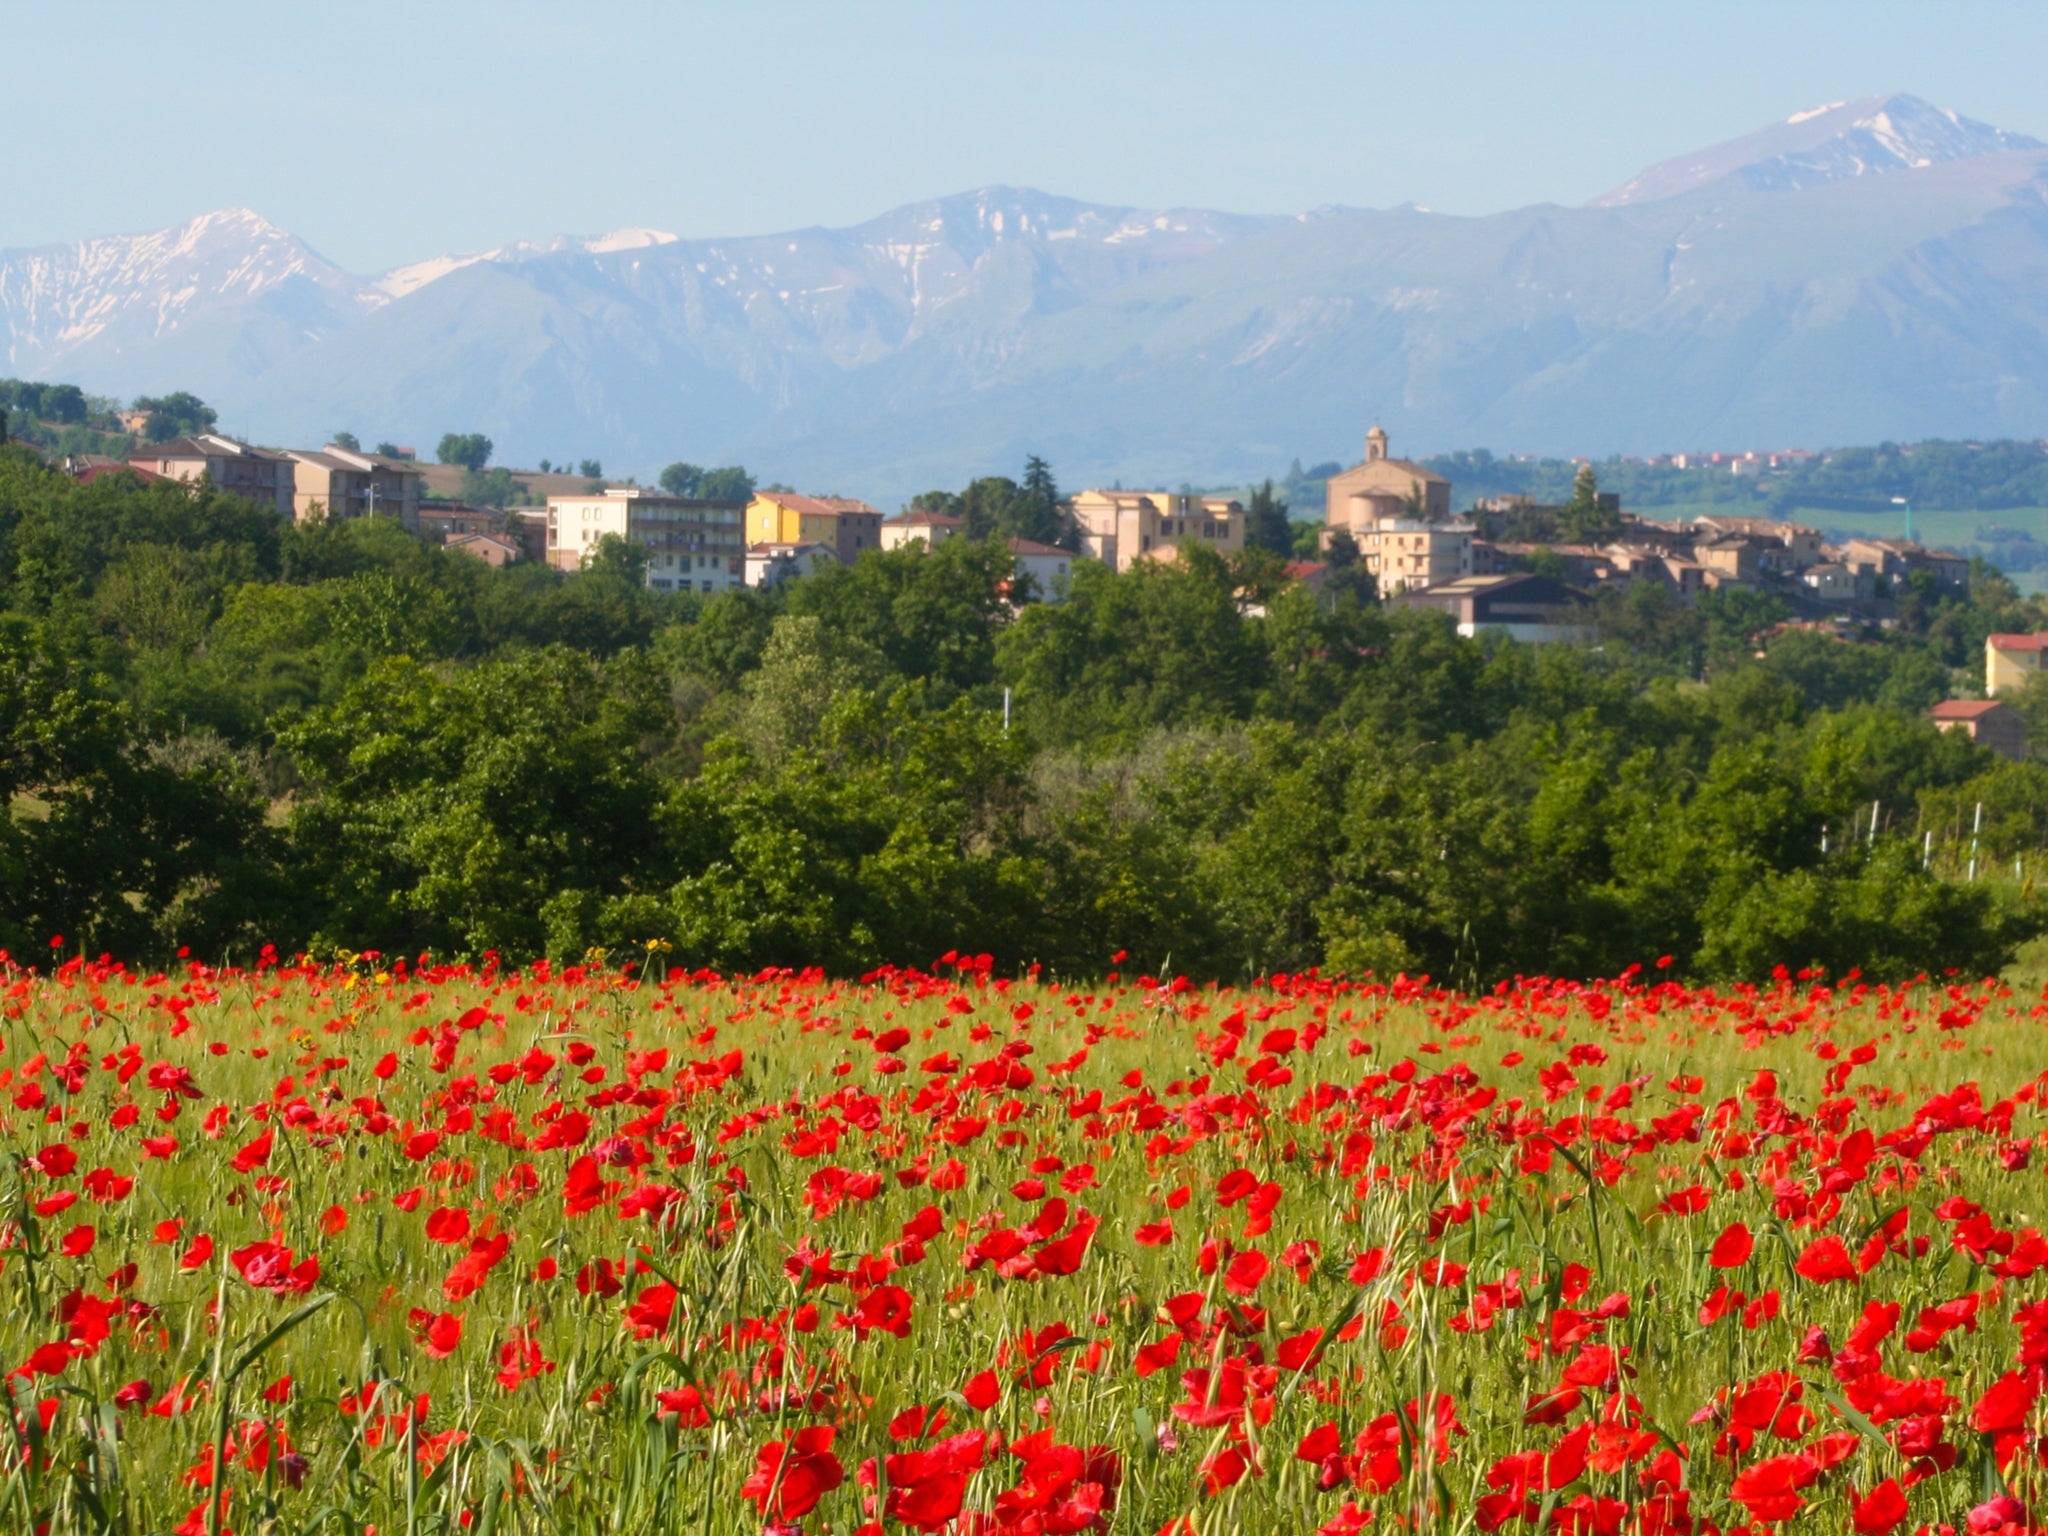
(843, 525)
(2010, 660)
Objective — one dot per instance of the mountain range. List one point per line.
(1869, 269)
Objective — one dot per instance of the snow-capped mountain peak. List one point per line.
(126, 291)
(1872, 136)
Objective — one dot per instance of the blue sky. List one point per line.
(385, 133)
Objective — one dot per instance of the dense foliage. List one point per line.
(220, 730)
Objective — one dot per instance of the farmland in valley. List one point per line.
(364, 1245)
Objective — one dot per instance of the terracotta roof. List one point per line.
(1030, 547)
(1966, 709)
(923, 520)
(2017, 642)
(810, 505)
(1409, 466)
(101, 471)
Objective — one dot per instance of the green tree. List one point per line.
(1162, 644)
(497, 487)
(65, 404)
(108, 841)
(346, 440)
(1036, 513)
(618, 557)
(471, 450)
(590, 469)
(929, 615)
(1582, 520)
(178, 415)
(1265, 521)
(682, 479)
(450, 812)
(731, 483)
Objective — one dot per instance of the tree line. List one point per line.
(219, 730)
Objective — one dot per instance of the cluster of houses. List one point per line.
(692, 545)
(1394, 515)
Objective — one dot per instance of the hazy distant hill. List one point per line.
(1874, 269)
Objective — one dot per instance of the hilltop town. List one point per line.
(1504, 562)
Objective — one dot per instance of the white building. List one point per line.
(927, 528)
(769, 565)
(692, 546)
(1050, 568)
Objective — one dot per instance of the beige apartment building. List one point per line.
(1383, 489)
(1405, 555)
(692, 546)
(254, 474)
(344, 483)
(1120, 528)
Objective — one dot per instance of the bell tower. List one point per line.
(1375, 445)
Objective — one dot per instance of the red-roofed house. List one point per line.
(2010, 660)
(1050, 568)
(1986, 722)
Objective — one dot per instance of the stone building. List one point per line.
(1384, 489)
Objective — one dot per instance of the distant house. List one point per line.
(491, 548)
(1312, 574)
(254, 474)
(1988, 722)
(344, 483)
(1894, 558)
(785, 517)
(445, 520)
(1831, 583)
(1528, 608)
(2010, 661)
(1733, 558)
(927, 528)
(1050, 568)
(1120, 528)
(1781, 547)
(769, 565)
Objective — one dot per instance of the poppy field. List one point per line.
(367, 1246)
